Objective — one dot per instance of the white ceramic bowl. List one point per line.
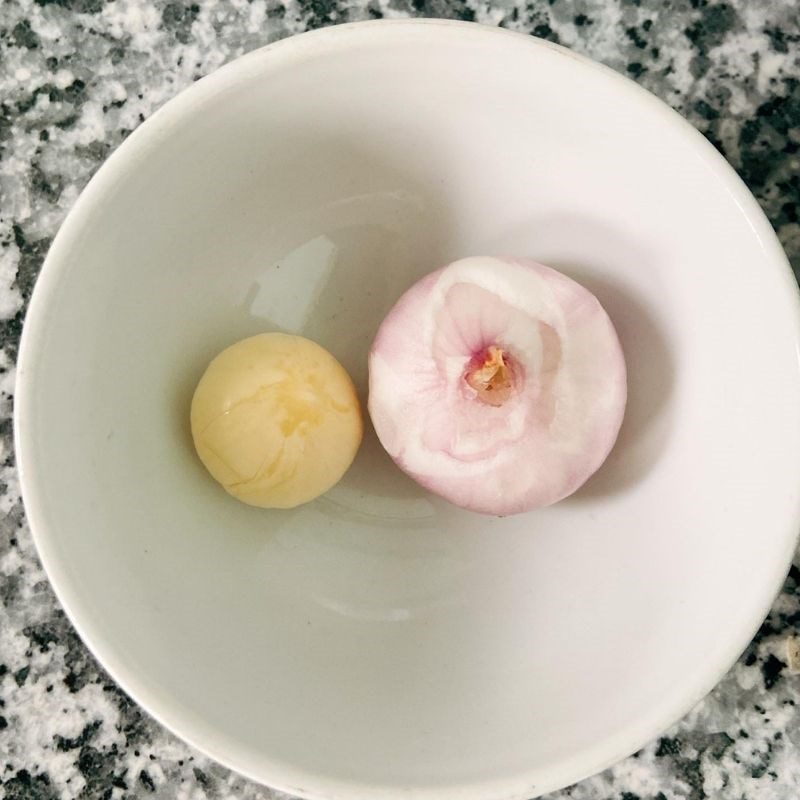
(379, 643)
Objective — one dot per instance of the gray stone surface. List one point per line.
(78, 75)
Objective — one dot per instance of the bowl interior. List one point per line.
(378, 640)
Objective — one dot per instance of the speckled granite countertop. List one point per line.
(78, 75)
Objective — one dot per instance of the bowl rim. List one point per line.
(281, 776)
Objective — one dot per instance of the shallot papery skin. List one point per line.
(498, 384)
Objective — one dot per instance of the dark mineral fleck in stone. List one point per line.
(178, 18)
(21, 675)
(22, 35)
(668, 747)
(147, 781)
(24, 786)
(635, 37)
(716, 21)
(85, 736)
(771, 669)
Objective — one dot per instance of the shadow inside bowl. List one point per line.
(651, 382)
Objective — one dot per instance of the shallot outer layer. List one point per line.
(498, 384)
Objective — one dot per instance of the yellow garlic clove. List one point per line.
(276, 420)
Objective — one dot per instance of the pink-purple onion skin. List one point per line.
(498, 384)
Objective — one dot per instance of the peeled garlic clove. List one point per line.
(276, 420)
(498, 384)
